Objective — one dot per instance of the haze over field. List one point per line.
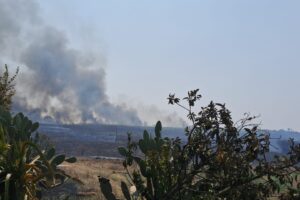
(115, 62)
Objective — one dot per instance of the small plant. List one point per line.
(219, 159)
(7, 88)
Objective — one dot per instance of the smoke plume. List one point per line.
(56, 82)
(59, 83)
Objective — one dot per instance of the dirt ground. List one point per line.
(87, 170)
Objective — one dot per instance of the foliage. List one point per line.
(24, 167)
(7, 88)
(219, 159)
(43, 141)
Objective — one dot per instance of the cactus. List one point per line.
(219, 160)
(106, 188)
(24, 166)
(149, 178)
(125, 191)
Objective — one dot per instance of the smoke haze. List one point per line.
(56, 83)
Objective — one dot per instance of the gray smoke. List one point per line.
(57, 83)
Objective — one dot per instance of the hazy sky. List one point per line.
(243, 53)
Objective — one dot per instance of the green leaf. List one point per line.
(58, 160)
(142, 165)
(106, 189)
(71, 160)
(125, 191)
(144, 143)
(143, 146)
(158, 128)
(50, 153)
(146, 135)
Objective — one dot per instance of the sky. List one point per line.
(242, 53)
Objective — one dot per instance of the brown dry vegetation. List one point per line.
(87, 170)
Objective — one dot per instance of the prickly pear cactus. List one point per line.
(155, 171)
(24, 166)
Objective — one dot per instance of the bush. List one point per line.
(220, 160)
(7, 88)
(25, 168)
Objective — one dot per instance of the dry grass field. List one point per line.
(87, 170)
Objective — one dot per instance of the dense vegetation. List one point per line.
(220, 160)
(25, 167)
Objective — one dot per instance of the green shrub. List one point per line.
(24, 167)
(219, 160)
(7, 88)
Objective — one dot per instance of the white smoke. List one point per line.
(56, 81)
